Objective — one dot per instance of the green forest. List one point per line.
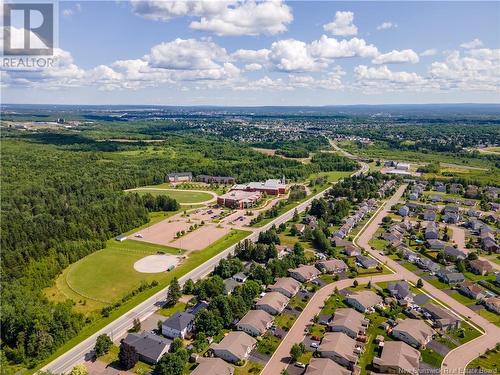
(62, 198)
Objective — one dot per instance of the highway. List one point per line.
(119, 327)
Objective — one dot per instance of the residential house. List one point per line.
(407, 254)
(472, 290)
(431, 231)
(340, 348)
(240, 277)
(255, 322)
(430, 215)
(472, 191)
(455, 188)
(404, 211)
(454, 253)
(481, 267)
(348, 321)
(436, 244)
(440, 187)
(442, 319)
(234, 347)
(352, 251)
(325, 366)
(283, 250)
(366, 262)
(304, 273)
(212, 366)
(490, 244)
(272, 303)
(401, 291)
(414, 332)
(450, 277)
(363, 300)
(451, 218)
(200, 305)
(230, 284)
(178, 325)
(427, 264)
(149, 347)
(492, 303)
(285, 285)
(331, 266)
(300, 228)
(397, 358)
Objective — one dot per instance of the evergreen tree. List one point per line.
(174, 292)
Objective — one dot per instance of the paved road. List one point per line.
(281, 357)
(454, 362)
(458, 358)
(119, 327)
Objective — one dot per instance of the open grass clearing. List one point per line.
(487, 361)
(181, 196)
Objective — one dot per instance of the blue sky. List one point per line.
(294, 53)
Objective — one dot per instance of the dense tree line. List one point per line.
(62, 199)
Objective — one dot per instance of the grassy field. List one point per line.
(195, 259)
(488, 361)
(105, 276)
(432, 358)
(183, 197)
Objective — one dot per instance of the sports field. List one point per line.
(181, 196)
(107, 275)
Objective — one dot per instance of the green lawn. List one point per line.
(488, 361)
(410, 266)
(250, 368)
(332, 304)
(167, 311)
(179, 195)
(491, 316)
(365, 361)
(432, 358)
(317, 330)
(438, 284)
(305, 357)
(195, 259)
(268, 344)
(285, 321)
(463, 299)
(298, 302)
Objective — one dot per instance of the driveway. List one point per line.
(438, 347)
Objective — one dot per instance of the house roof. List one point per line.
(274, 299)
(287, 283)
(339, 343)
(148, 344)
(230, 284)
(366, 298)
(212, 366)
(236, 343)
(439, 313)
(366, 261)
(179, 321)
(307, 271)
(325, 366)
(400, 289)
(473, 287)
(259, 319)
(399, 354)
(416, 329)
(481, 265)
(332, 265)
(348, 318)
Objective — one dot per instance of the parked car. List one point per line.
(314, 345)
(300, 364)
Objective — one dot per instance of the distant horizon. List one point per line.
(265, 53)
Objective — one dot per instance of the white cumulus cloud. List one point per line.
(397, 57)
(342, 24)
(429, 52)
(476, 43)
(248, 17)
(387, 25)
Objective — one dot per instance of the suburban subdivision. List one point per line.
(244, 261)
